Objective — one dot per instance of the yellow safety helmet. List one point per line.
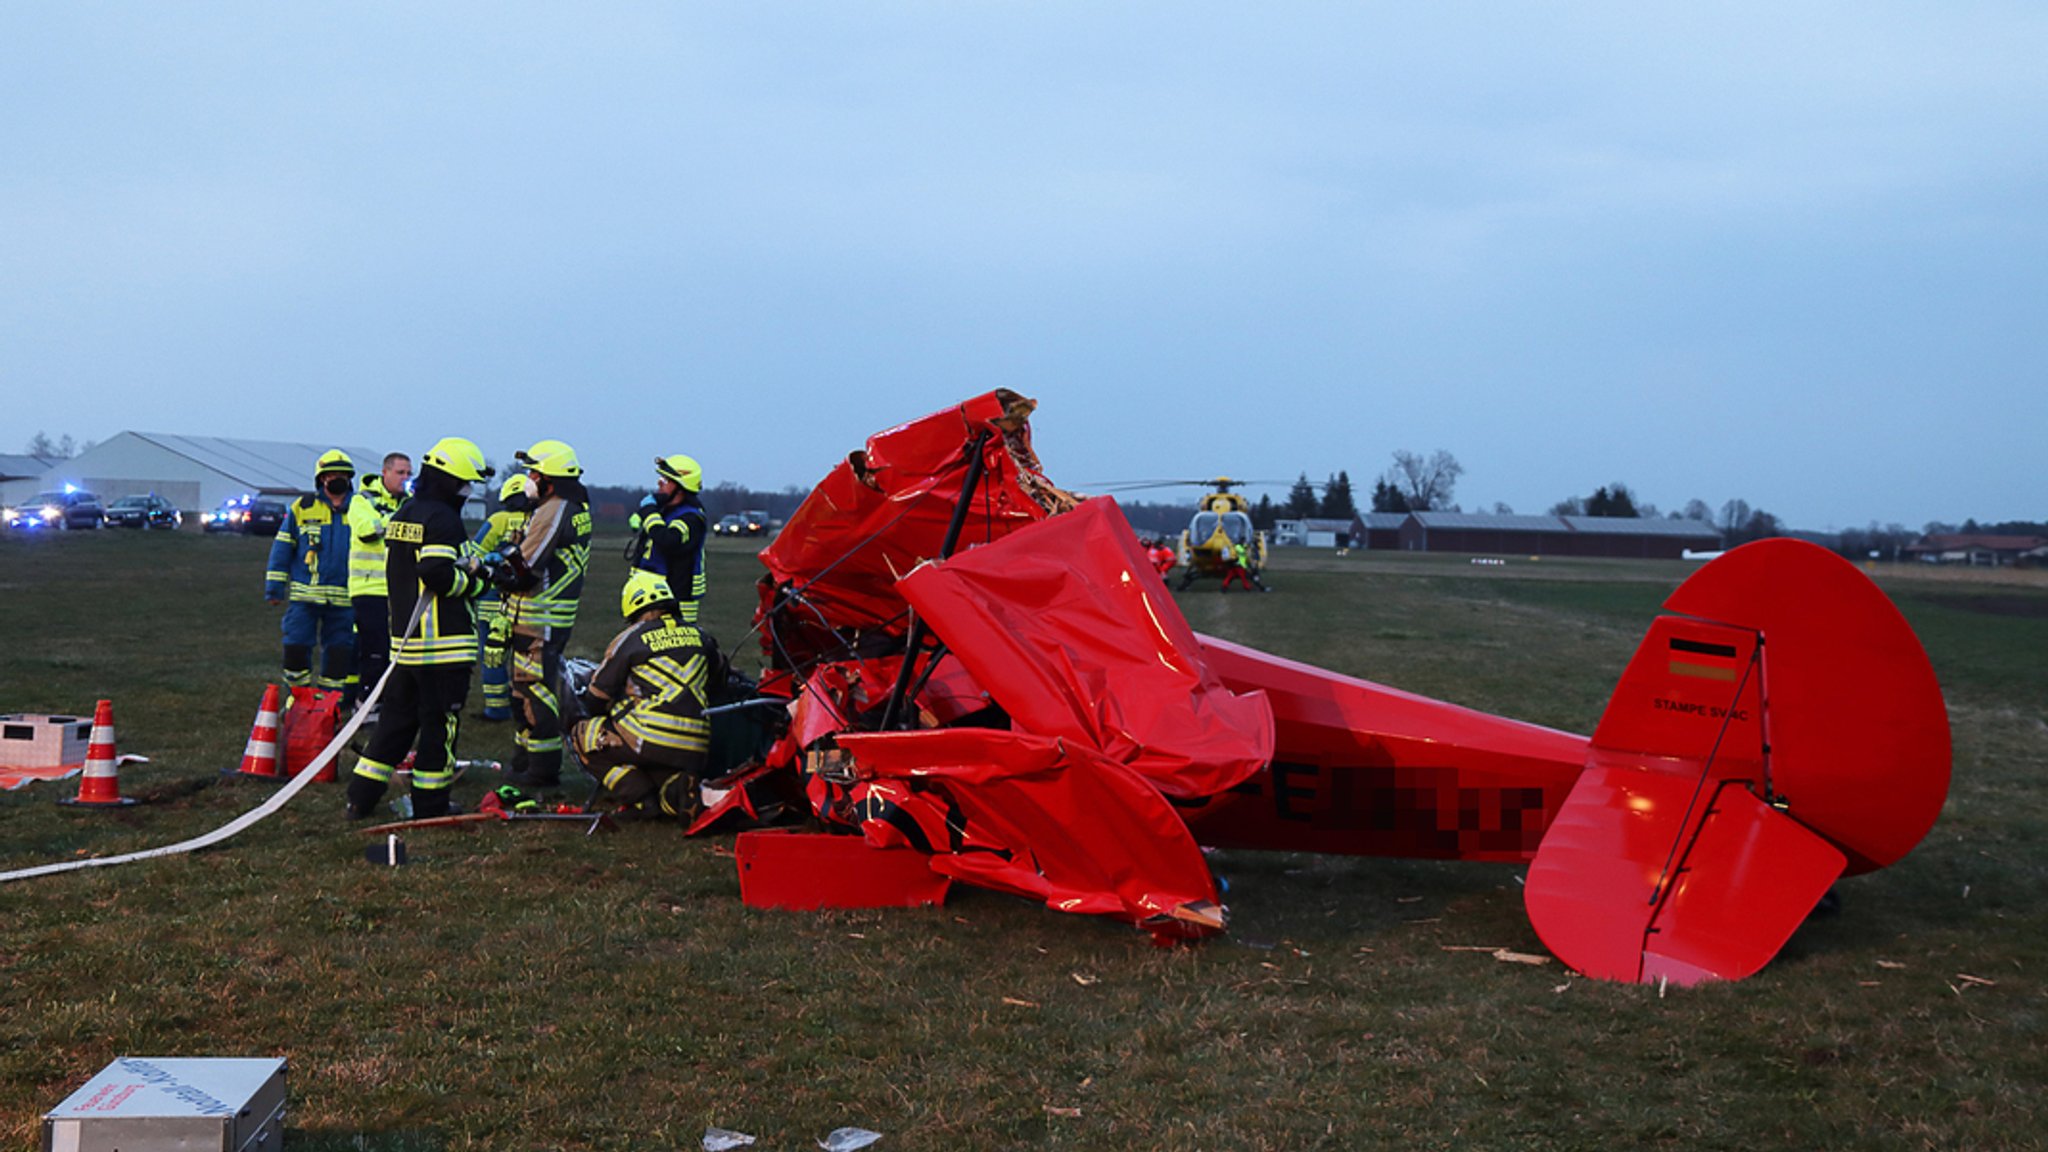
(682, 470)
(514, 485)
(457, 457)
(333, 460)
(552, 458)
(643, 591)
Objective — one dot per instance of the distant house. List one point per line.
(1313, 533)
(197, 472)
(1615, 536)
(1980, 549)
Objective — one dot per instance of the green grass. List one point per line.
(531, 988)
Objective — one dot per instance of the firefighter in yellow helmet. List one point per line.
(672, 528)
(648, 740)
(494, 632)
(542, 589)
(308, 572)
(431, 580)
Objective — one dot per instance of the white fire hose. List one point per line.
(254, 815)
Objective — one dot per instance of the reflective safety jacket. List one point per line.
(498, 528)
(424, 543)
(309, 555)
(654, 678)
(672, 546)
(556, 546)
(368, 511)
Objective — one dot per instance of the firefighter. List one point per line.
(672, 527)
(308, 572)
(543, 584)
(369, 510)
(431, 582)
(493, 630)
(648, 740)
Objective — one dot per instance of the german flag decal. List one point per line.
(1702, 660)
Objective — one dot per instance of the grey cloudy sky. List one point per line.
(1790, 253)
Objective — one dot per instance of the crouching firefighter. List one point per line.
(648, 741)
(430, 582)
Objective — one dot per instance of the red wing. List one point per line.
(1073, 633)
(1055, 822)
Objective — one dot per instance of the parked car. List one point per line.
(255, 515)
(151, 511)
(67, 509)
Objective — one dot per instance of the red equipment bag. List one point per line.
(310, 720)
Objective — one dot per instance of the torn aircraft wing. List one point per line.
(1041, 812)
(1075, 636)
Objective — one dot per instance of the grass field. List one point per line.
(528, 987)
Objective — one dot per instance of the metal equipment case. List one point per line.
(151, 1104)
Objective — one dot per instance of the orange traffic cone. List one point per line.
(100, 787)
(259, 759)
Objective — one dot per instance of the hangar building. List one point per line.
(196, 473)
(1616, 536)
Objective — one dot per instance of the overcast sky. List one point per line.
(1796, 254)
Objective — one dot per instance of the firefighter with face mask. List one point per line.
(308, 572)
(493, 630)
(431, 582)
(543, 585)
(369, 510)
(648, 741)
(672, 527)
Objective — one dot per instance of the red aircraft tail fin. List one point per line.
(1787, 728)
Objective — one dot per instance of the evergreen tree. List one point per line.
(1301, 499)
(1387, 498)
(1264, 513)
(1337, 502)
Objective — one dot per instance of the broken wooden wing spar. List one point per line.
(984, 668)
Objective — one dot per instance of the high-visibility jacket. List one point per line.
(654, 676)
(309, 555)
(556, 546)
(424, 543)
(497, 528)
(672, 546)
(368, 511)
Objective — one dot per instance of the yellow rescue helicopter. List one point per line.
(1222, 525)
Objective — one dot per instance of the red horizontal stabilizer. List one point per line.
(1054, 821)
(1747, 882)
(1590, 889)
(1741, 878)
(1074, 634)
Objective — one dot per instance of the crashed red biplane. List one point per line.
(984, 668)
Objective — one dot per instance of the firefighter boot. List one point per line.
(363, 796)
(541, 770)
(428, 803)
